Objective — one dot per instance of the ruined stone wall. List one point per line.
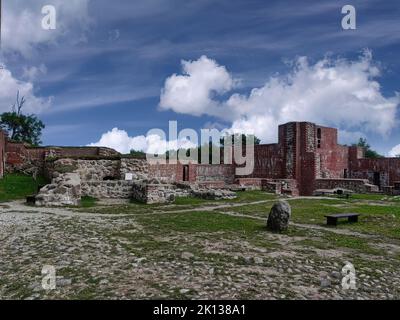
(88, 170)
(383, 172)
(254, 183)
(120, 189)
(2, 153)
(154, 193)
(76, 152)
(139, 168)
(356, 185)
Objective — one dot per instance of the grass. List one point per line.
(333, 241)
(184, 201)
(17, 186)
(381, 217)
(199, 221)
(255, 195)
(242, 196)
(88, 202)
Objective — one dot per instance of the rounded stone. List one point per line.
(279, 216)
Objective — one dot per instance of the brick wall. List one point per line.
(268, 161)
(20, 158)
(331, 158)
(212, 173)
(297, 142)
(382, 172)
(31, 160)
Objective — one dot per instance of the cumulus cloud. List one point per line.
(22, 28)
(193, 91)
(334, 92)
(9, 88)
(395, 151)
(152, 143)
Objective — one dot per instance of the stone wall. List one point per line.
(355, 185)
(254, 183)
(76, 152)
(107, 189)
(153, 193)
(88, 170)
(139, 168)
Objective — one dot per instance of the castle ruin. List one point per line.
(307, 157)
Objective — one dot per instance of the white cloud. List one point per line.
(395, 151)
(193, 91)
(22, 28)
(337, 93)
(9, 88)
(32, 73)
(153, 144)
(348, 137)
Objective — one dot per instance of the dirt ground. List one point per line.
(210, 252)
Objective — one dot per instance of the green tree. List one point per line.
(139, 154)
(235, 137)
(369, 153)
(20, 127)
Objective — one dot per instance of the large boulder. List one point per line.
(64, 190)
(278, 219)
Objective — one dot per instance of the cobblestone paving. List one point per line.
(129, 257)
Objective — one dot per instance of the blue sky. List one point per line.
(107, 62)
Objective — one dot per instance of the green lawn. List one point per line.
(380, 215)
(255, 195)
(88, 202)
(17, 186)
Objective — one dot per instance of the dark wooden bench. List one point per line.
(342, 194)
(332, 219)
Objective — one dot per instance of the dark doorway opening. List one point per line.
(345, 174)
(377, 179)
(186, 173)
